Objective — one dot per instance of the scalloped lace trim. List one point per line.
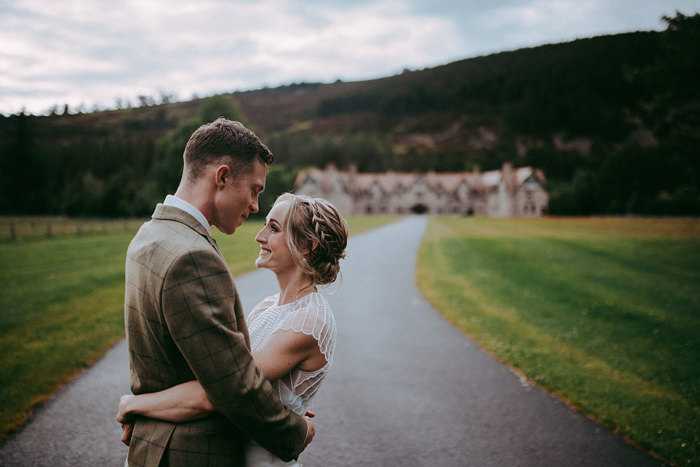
(310, 315)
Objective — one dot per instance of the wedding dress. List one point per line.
(309, 315)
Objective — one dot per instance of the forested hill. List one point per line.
(614, 122)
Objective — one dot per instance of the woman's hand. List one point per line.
(127, 430)
(125, 418)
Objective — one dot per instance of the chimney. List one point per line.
(474, 179)
(507, 175)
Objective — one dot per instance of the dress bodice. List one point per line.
(309, 315)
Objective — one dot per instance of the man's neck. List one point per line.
(197, 198)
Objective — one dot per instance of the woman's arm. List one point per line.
(287, 350)
(181, 403)
(187, 401)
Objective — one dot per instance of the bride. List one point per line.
(292, 333)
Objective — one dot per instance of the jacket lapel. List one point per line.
(172, 213)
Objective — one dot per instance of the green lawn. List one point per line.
(37, 227)
(62, 306)
(604, 312)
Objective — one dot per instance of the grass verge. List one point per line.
(62, 307)
(603, 312)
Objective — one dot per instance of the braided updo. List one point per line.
(314, 225)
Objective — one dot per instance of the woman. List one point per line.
(292, 333)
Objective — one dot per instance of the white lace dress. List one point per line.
(309, 315)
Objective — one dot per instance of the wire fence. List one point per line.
(14, 228)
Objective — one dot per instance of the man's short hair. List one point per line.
(224, 141)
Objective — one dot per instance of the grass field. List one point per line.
(603, 312)
(62, 304)
(14, 228)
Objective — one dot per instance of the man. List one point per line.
(184, 318)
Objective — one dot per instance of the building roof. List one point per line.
(391, 182)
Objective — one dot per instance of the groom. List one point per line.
(184, 319)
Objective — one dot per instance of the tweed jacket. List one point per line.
(184, 321)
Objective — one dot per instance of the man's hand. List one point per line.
(311, 430)
(127, 430)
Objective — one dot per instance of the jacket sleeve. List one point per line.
(198, 300)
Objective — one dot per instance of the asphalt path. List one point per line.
(407, 388)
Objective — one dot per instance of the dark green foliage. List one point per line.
(112, 164)
(23, 184)
(279, 180)
(370, 151)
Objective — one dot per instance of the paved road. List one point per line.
(407, 388)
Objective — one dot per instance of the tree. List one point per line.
(22, 171)
(168, 168)
(279, 180)
(218, 106)
(669, 83)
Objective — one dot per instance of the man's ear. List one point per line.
(222, 176)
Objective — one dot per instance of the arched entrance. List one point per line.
(419, 208)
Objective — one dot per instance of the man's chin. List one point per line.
(235, 227)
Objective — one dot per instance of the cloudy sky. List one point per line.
(93, 52)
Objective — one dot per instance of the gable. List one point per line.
(532, 183)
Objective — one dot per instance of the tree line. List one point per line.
(632, 98)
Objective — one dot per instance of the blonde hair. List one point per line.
(315, 225)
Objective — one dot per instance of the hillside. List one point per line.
(614, 122)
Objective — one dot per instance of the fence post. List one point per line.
(13, 235)
(48, 230)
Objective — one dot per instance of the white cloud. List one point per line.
(93, 52)
(368, 41)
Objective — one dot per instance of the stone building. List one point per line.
(509, 192)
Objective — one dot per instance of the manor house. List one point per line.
(509, 192)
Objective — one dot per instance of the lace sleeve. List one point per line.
(266, 303)
(314, 318)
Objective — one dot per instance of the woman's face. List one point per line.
(274, 253)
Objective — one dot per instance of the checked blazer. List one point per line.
(184, 321)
